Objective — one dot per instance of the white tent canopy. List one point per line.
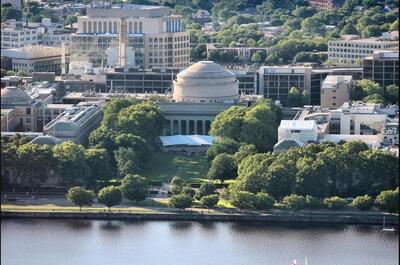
(189, 140)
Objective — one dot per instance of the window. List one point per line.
(295, 131)
(28, 111)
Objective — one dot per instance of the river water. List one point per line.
(75, 242)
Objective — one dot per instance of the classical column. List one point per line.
(187, 127)
(171, 127)
(203, 122)
(195, 126)
(180, 127)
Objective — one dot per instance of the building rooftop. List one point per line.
(298, 125)
(331, 81)
(31, 52)
(288, 143)
(46, 139)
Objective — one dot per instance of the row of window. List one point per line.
(169, 39)
(110, 27)
(367, 46)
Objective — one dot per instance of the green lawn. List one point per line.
(164, 167)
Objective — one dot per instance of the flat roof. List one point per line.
(298, 124)
(189, 140)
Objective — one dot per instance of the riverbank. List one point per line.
(289, 217)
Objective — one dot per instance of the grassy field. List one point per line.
(164, 167)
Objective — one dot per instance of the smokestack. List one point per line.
(63, 64)
(122, 42)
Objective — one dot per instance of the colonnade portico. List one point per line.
(187, 126)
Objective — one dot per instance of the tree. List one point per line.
(188, 191)
(223, 167)
(228, 123)
(388, 200)
(395, 25)
(295, 98)
(209, 201)
(99, 163)
(177, 184)
(256, 57)
(181, 201)
(260, 126)
(311, 173)
(243, 152)
(8, 12)
(35, 163)
(363, 203)
(134, 187)
(80, 197)
(371, 31)
(304, 12)
(369, 87)
(264, 201)
(294, 201)
(313, 25)
(70, 19)
(349, 29)
(110, 196)
(312, 202)
(206, 188)
(72, 164)
(374, 98)
(144, 119)
(392, 94)
(334, 203)
(127, 161)
(243, 200)
(221, 146)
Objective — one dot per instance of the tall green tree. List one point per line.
(72, 163)
(110, 196)
(80, 197)
(134, 187)
(223, 167)
(36, 163)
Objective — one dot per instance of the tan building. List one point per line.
(350, 49)
(335, 90)
(156, 37)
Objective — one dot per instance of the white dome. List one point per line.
(205, 81)
(12, 95)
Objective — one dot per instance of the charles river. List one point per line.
(75, 242)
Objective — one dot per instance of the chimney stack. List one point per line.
(122, 42)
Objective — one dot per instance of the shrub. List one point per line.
(177, 184)
(264, 201)
(243, 199)
(334, 203)
(363, 203)
(80, 197)
(294, 201)
(110, 196)
(188, 191)
(312, 202)
(209, 201)
(205, 189)
(181, 201)
(388, 200)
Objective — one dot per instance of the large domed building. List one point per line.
(14, 96)
(206, 82)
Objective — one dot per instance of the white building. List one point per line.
(37, 58)
(56, 37)
(335, 90)
(304, 131)
(17, 35)
(350, 50)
